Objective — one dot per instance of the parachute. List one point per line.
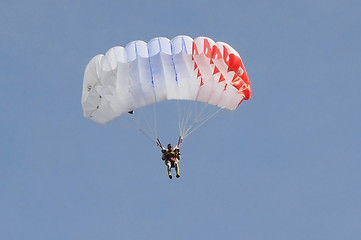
(140, 74)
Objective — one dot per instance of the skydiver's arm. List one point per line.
(177, 152)
(163, 153)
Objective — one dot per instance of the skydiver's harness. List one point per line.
(170, 155)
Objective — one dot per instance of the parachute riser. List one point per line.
(180, 141)
(159, 144)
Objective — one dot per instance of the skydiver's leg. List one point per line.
(168, 164)
(177, 169)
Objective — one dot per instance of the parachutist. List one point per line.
(171, 157)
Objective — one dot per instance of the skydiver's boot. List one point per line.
(177, 169)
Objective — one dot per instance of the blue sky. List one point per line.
(285, 165)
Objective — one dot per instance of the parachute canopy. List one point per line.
(140, 74)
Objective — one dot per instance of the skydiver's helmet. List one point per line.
(169, 146)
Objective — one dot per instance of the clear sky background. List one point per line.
(285, 165)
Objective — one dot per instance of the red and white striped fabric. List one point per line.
(128, 78)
